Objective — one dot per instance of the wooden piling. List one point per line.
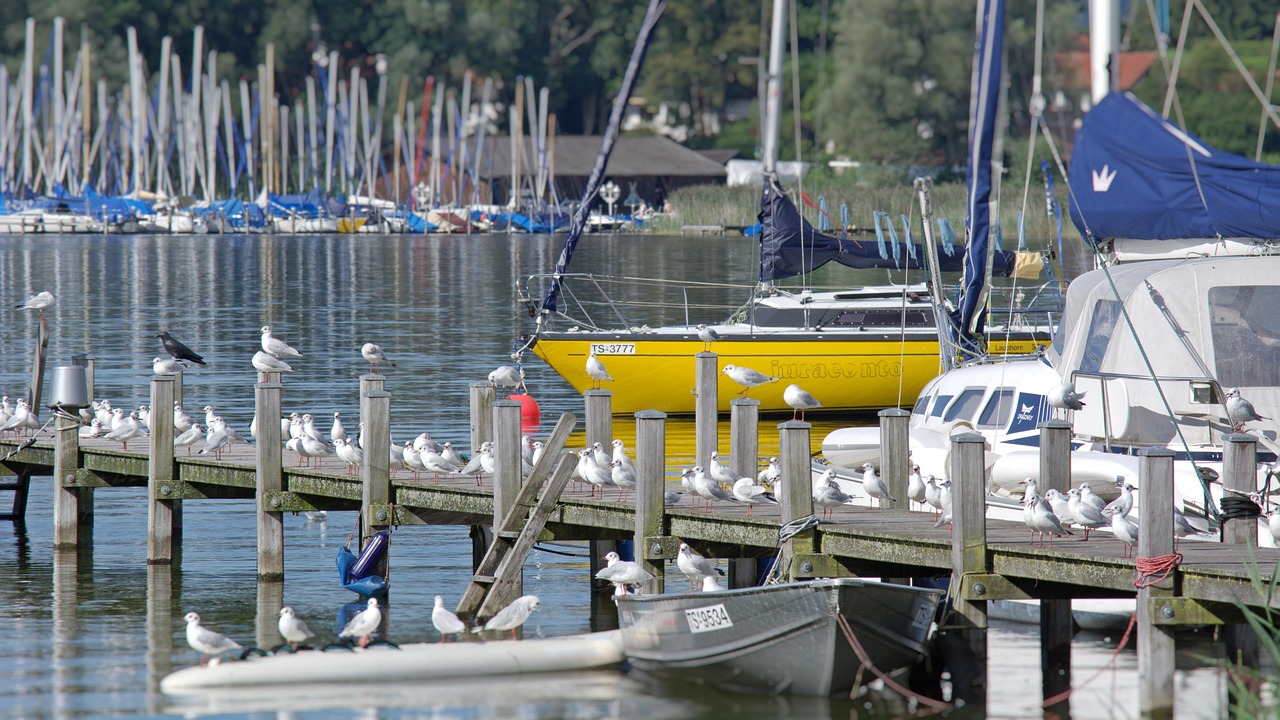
(507, 461)
(160, 621)
(1055, 614)
(1155, 541)
(37, 364)
(651, 485)
(598, 405)
(895, 456)
(482, 395)
(266, 621)
(270, 480)
(744, 449)
(796, 494)
(72, 506)
(1239, 473)
(706, 431)
(161, 489)
(375, 473)
(969, 554)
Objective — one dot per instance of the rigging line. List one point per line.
(1037, 101)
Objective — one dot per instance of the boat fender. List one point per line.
(530, 413)
(337, 646)
(371, 586)
(372, 554)
(253, 651)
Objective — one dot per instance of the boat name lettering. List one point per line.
(613, 348)
(868, 369)
(708, 618)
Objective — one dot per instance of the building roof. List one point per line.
(718, 155)
(1076, 72)
(575, 155)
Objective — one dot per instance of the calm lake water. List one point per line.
(92, 633)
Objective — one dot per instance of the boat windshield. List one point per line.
(1246, 334)
(891, 318)
(999, 409)
(965, 405)
(1103, 323)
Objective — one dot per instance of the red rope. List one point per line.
(1148, 568)
(866, 662)
(1124, 640)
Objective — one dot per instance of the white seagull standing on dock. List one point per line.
(746, 377)
(375, 356)
(799, 401)
(363, 624)
(181, 421)
(128, 430)
(599, 477)
(695, 566)
(507, 376)
(205, 641)
(513, 615)
(268, 363)
(276, 346)
(875, 485)
(445, 622)
(709, 488)
(746, 491)
(1124, 529)
(337, 432)
(916, 486)
(193, 435)
(771, 473)
(1085, 514)
(350, 454)
(215, 442)
(623, 573)
(1045, 522)
(596, 370)
(622, 477)
(292, 628)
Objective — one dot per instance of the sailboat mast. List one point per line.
(773, 86)
(1104, 47)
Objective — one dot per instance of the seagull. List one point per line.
(1045, 522)
(23, 419)
(1240, 411)
(709, 488)
(375, 356)
(513, 615)
(350, 454)
(39, 301)
(446, 622)
(292, 628)
(1059, 503)
(1065, 397)
(748, 492)
(746, 377)
(506, 376)
(268, 363)
(710, 584)
(915, 486)
(1087, 495)
(192, 436)
(181, 421)
(1086, 515)
(591, 472)
(671, 497)
(452, 457)
(622, 573)
(1182, 527)
(622, 477)
(771, 473)
(337, 432)
(695, 566)
(215, 442)
(166, 366)
(596, 370)
(177, 350)
(128, 430)
(620, 455)
(205, 641)
(828, 495)
(875, 485)
(707, 336)
(944, 502)
(719, 472)
(363, 624)
(1124, 503)
(476, 465)
(1124, 529)
(276, 346)
(1273, 523)
(799, 401)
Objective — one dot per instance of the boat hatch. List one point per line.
(886, 318)
(965, 406)
(999, 409)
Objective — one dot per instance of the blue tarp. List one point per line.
(237, 213)
(1132, 178)
(311, 205)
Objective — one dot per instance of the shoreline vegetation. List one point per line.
(737, 207)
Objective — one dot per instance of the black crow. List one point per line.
(178, 350)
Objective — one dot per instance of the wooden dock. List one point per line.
(987, 559)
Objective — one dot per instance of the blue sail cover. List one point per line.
(790, 246)
(984, 107)
(1132, 178)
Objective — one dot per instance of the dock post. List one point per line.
(895, 455)
(706, 431)
(375, 473)
(481, 405)
(72, 506)
(507, 459)
(651, 485)
(968, 476)
(744, 457)
(796, 480)
(159, 621)
(37, 364)
(266, 621)
(1155, 541)
(598, 406)
(270, 479)
(1055, 614)
(161, 533)
(1239, 472)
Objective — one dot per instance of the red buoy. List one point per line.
(530, 413)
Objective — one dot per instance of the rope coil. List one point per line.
(1149, 568)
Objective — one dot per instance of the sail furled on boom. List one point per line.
(984, 109)
(579, 221)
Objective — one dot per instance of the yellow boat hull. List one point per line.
(659, 373)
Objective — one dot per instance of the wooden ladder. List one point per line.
(493, 585)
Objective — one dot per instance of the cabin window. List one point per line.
(939, 405)
(999, 410)
(1246, 334)
(966, 405)
(922, 404)
(1101, 325)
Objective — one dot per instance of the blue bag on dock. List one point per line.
(354, 572)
